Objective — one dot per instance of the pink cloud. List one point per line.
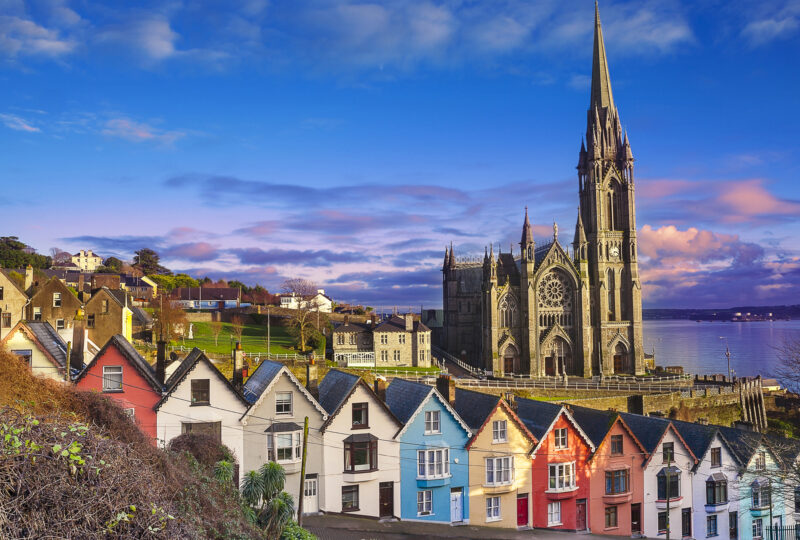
(669, 241)
(193, 251)
(750, 198)
(657, 188)
(130, 130)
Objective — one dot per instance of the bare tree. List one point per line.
(304, 322)
(169, 319)
(216, 329)
(237, 327)
(788, 370)
(60, 256)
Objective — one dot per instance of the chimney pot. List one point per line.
(409, 322)
(78, 345)
(238, 376)
(312, 379)
(161, 361)
(447, 388)
(380, 388)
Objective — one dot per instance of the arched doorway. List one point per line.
(559, 358)
(621, 359)
(510, 360)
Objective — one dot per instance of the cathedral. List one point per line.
(549, 310)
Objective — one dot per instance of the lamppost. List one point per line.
(728, 355)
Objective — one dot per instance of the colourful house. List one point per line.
(434, 464)
(500, 489)
(40, 346)
(616, 473)
(120, 372)
(560, 476)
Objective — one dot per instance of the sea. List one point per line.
(700, 346)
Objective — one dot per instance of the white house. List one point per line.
(361, 459)
(87, 261)
(315, 302)
(200, 399)
(667, 477)
(273, 429)
(40, 346)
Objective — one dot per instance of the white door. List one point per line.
(456, 513)
(310, 496)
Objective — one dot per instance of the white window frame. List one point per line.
(425, 502)
(60, 324)
(384, 339)
(554, 514)
(561, 477)
(56, 297)
(295, 446)
(130, 411)
(106, 373)
(499, 431)
(760, 462)
(758, 531)
(493, 509)
(278, 402)
(433, 463)
(561, 439)
(433, 422)
(499, 471)
(401, 339)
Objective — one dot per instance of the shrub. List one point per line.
(204, 448)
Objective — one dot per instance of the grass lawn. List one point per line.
(254, 339)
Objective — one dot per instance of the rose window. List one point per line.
(555, 292)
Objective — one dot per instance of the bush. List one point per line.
(204, 448)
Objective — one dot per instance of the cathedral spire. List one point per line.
(580, 233)
(601, 81)
(527, 232)
(451, 262)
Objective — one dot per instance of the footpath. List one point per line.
(338, 527)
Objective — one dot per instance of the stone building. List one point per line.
(396, 341)
(55, 303)
(548, 310)
(108, 312)
(12, 303)
(87, 261)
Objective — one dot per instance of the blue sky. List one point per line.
(349, 142)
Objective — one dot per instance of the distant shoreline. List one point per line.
(734, 314)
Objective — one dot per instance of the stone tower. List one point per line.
(605, 236)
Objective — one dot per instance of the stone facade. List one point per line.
(549, 311)
(55, 303)
(12, 302)
(397, 341)
(107, 314)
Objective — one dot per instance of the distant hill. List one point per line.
(725, 314)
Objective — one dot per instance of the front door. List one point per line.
(549, 366)
(580, 515)
(386, 499)
(686, 522)
(619, 364)
(508, 365)
(310, 496)
(522, 510)
(636, 518)
(456, 510)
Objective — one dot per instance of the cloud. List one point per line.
(149, 35)
(319, 257)
(773, 20)
(12, 121)
(20, 36)
(192, 251)
(117, 244)
(130, 130)
(703, 246)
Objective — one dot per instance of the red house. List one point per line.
(560, 482)
(120, 371)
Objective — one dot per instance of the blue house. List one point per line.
(434, 466)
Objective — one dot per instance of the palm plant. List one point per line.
(268, 505)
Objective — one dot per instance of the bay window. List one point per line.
(433, 463)
(671, 487)
(562, 476)
(617, 482)
(717, 489)
(499, 471)
(284, 447)
(360, 453)
(761, 496)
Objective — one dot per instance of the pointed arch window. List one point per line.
(508, 311)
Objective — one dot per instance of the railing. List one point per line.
(417, 374)
(787, 532)
(559, 384)
(457, 361)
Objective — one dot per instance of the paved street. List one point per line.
(335, 527)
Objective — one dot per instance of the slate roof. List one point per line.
(507, 269)
(186, 366)
(593, 422)
(536, 415)
(404, 397)
(140, 315)
(131, 281)
(50, 341)
(648, 429)
(697, 436)
(742, 442)
(260, 379)
(352, 327)
(335, 388)
(133, 357)
(398, 324)
(474, 407)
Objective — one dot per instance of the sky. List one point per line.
(349, 142)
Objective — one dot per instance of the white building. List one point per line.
(87, 261)
(200, 399)
(273, 429)
(40, 346)
(361, 459)
(316, 302)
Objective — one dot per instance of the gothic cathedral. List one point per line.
(548, 311)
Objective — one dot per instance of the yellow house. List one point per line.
(500, 476)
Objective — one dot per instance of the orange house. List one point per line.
(617, 471)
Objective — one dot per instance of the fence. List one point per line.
(787, 532)
(457, 361)
(574, 385)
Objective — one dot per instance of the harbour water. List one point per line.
(698, 347)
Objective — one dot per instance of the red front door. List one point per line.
(522, 510)
(580, 515)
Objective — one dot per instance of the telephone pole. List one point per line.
(269, 346)
(302, 475)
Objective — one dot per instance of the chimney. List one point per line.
(744, 425)
(161, 361)
(28, 277)
(346, 320)
(447, 387)
(237, 366)
(702, 421)
(380, 387)
(80, 287)
(511, 400)
(312, 379)
(409, 322)
(78, 346)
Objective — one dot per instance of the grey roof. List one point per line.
(133, 357)
(648, 429)
(143, 318)
(469, 278)
(186, 366)
(507, 269)
(352, 327)
(335, 388)
(536, 415)
(697, 436)
(741, 441)
(404, 397)
(260, 379)
(593, 422)
(474, 407)
(50, 340)
(131, 281)
(398, 324)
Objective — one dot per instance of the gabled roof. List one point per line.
(699, 438)
(265, 375)
(540, 417)
(744, 443)
(140, 315)
(651, 430)
(351, 326)
(407, 398)
(474, 407)
(398, 324)
(14, 283)
(596, 424)
(45, 338)
(132, 356)
(194, 357)
(337, 387)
